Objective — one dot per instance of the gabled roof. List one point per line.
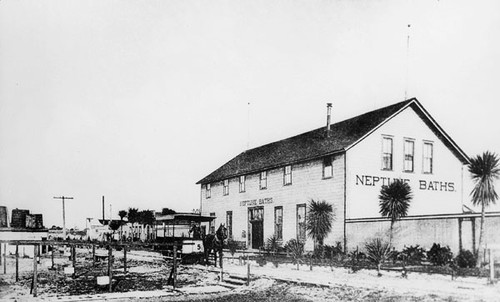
(316, 143)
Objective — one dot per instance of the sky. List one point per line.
(138, 100)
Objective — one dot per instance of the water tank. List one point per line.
(19, 218)
(3, 217)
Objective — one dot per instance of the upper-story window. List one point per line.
(386, 153)
(428, 157)
(263, 180)
(327, 167)
(208, 190)
(242, 183)
(287, 175)
(225, 187)
(409, 151)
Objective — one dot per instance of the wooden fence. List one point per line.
(124, 246)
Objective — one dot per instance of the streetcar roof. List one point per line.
(185, 217)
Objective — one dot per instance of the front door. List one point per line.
(256, 227)
(257, 234)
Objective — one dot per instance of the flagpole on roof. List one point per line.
(407, 62)
(248, 126)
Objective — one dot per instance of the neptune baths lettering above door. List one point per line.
(256, 202)
(425, 185)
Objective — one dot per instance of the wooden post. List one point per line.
(5, 258)
(110, 266)
(175, 266)
(93, 255)
(52, 257)
(17, 262)
(492, 267)
(221, 266)
(311, 263)
(73, 252)
(35, 273)
(248, 270)
(125, 259)
(0, 253)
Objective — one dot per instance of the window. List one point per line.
(278, 223)
(242, 183)
(386, 153)
(208, 191)
(263, 180)
(409, 149)
(287, 175)
(327, 167)
(301, 222)
(225, 188)
(256, 214)
(229, 223)
(211, 224)
(428, 157)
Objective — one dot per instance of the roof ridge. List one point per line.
(307, 145)
(333, 124)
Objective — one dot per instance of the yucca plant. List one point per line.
(378, 251)
(484, 170)
(273, 244)
(295, 249)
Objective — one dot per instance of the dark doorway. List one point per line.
(257, 234)
(256, 227)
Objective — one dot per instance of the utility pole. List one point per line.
(103, 209)
(64, 213)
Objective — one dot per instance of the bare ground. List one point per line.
(148, 273)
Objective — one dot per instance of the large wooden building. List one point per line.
(265, 191)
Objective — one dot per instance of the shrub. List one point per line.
(332, 251)
(232, 246)
(413, 255)
(295, 249)
(378, 251)
(355, 257)
(438, 255)
(261, 260)
(466, 259)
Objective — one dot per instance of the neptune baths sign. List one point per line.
(422, 184)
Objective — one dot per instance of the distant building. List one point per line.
(265, 191)
(97, 230)
(23, 226)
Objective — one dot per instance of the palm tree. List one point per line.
(122, 215)
(394, 202)
(484, 170)
(319, 221)
(133, 217)
(147, 219)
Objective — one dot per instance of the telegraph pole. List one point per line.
(64, 214)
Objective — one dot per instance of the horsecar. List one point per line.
(185, 228)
